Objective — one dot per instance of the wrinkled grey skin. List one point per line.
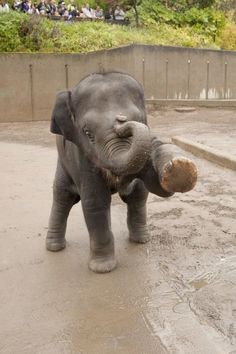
(104, 146)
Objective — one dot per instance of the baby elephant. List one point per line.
(104, 146)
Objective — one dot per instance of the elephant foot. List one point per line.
(55, 244)
(102, 264)
(139, 236)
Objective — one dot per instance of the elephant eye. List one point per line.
(89, 134)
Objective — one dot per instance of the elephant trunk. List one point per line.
(175, 172)
(128, 149)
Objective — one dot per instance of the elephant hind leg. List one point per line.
(63, 200)
(137, 212)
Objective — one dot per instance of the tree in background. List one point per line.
(133, 4)
(201, 4)
(229, 8)
(185, 4)
(126, 5)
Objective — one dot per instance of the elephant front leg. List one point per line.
(137, 212)
(62, 204)
(96, 209)
(63, 200)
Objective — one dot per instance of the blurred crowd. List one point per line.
(62, 10)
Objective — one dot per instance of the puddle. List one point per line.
(216, 272)
(198, 283)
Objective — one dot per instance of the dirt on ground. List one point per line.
(176, 294)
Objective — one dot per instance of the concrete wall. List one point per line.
(29, 82)
(185, 73)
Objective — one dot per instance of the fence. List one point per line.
(29, 82)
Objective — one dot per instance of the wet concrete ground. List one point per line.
(176, 294)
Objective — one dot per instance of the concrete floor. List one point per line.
(176, 294)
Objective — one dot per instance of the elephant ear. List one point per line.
(62, 122)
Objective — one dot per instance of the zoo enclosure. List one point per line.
(29, 82)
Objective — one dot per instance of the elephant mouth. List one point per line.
(113, 181)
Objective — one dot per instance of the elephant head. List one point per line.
(104, 115)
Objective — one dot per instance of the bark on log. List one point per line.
(176, 173)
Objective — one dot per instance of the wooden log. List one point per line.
(176, 173)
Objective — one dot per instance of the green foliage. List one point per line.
(205, 21)
(191, 28)
(20, 32)
(202, 4)
(10, 40)
(226, 5)
(36, 33)
(229, 9)
(227, 39)
(153, 11)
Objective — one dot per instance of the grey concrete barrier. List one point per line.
(221, 158)
(29, 82)
(157, 103)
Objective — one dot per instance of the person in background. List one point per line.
(92, 11)
(98, 13)
(108, 14)
(51, 8)
(66, 15)
(119, 14)
(25, 6)
(86, 11)
(72, 8)
(61, 8)
(4, 7)
(42, 7)
(31, 9)
(16, 5)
